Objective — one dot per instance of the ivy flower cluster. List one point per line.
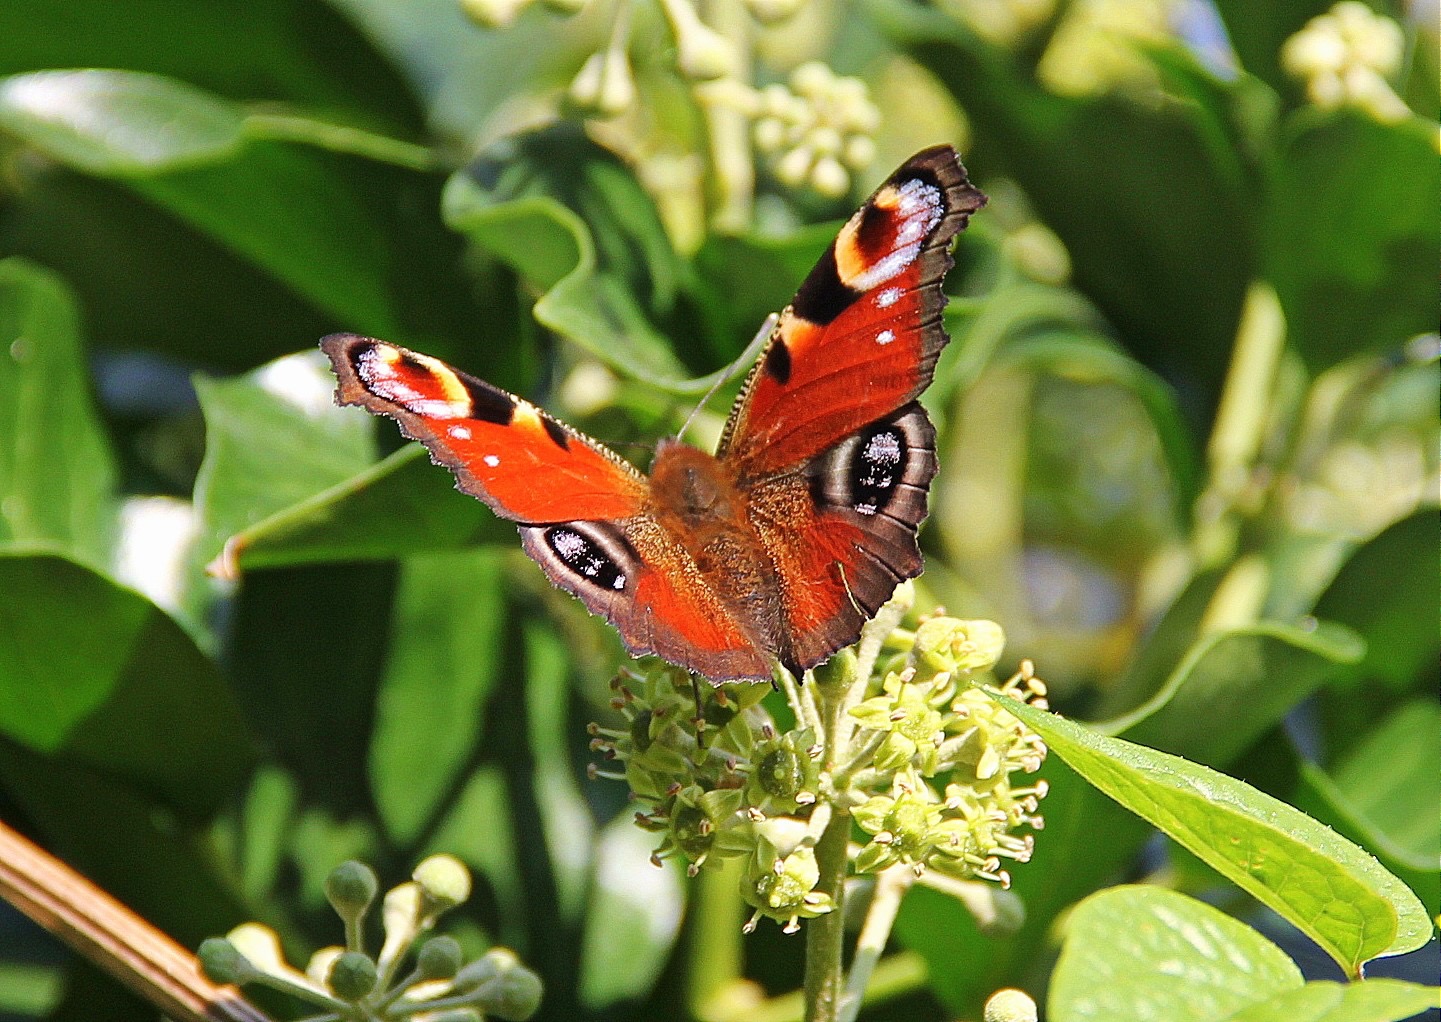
(918, 754)
(351, 985)
(816, 130)
(1345, 58)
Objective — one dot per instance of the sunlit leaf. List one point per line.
(1145, 952)
(1327, 887)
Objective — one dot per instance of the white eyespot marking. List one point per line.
(492, 461)
(619, 583)
(888, 297)
(883, 448)
(865, 509)
(885, 337)
(568, 544)
(459, 432)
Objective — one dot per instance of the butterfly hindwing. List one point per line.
(862, 336)
(842, 530)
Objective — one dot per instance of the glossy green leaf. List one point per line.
(119, 122)
(239, 49)
(122, 839)
(1231, 687)
(273, 438)
(443, 660)
(1351, 236)
(87, 665)
(1375, 1000)
(1324, 885)
(1146, 952)
(567, 217)
(57, 474)
(399, 506)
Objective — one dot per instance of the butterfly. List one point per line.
(777, 549)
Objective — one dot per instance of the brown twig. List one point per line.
(103, 930)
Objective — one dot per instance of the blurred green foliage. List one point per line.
(1188, 418)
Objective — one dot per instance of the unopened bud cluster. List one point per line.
(926, 770)
(350, 983)
(818, 131)
(1345, 58)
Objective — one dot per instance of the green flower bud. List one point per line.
(495, 962)
(515, 996)
(945, 644)
(444, 882)
(439, 958)
(352, 976)
(604, 86)
(1010, 1006)
(222, 962)
(317, 970)
(351, 888)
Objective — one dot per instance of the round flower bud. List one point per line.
(222, 962)
(704, 54)
(604, 86)
(317, 970)
(829, 178)
(514, 996)
(495, 962)
(812, 79)
(1010, 1006)
(771, 12)
(351, 888)
(444, 881)
(352, 976)
(439, 958)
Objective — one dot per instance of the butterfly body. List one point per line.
(779, 547)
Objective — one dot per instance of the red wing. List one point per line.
(585, 514)
(841, 531)
(639, 578)
(526, 465)
(862, 335)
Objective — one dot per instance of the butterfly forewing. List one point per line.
(862, 336)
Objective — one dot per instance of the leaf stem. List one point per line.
(341, 138)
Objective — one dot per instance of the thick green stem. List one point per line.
(825, 935)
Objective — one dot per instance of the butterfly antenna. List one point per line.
(743, 359)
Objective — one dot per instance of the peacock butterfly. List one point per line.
(777, 549)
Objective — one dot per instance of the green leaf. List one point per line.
(443, 660)
(119, 122)
(574, 222)
(1145, 952)
(1324, 885)
(1351, 236)
(1372, 793)
(1378, 591)
(86, 666)
(273, 438)
(1233, 686)
(57, 473)
(1375, 1000)
(400, 506)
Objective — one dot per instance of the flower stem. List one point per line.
(891, 886)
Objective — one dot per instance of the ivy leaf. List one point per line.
(1327, 887)
(1146, 952)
